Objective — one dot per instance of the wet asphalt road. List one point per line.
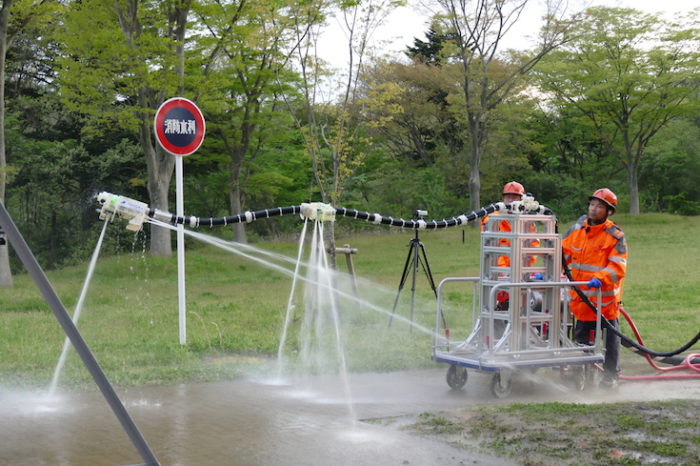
(254, 422)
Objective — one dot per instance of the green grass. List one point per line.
(573, 434)
(236, 307)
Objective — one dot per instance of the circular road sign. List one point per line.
(179, 126)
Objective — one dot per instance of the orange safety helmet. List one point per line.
(513, 187)
(606, 196)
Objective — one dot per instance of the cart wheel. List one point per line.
(501, 385)
(456, 377)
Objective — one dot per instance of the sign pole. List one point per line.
(180, 210)
(179, 127)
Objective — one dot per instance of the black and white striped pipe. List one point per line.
(377, 219)
(245, 217)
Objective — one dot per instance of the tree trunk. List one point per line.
(5, 272)
(474, 162)
(160, 166)
(160, 237)
(327, 197)
(633, 184)
(235, 203)
(329, 241)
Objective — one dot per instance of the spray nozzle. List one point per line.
(526, 204)
(318, 211)
(129, 209)
(529, 203)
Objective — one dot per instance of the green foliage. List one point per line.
(105, 68)
(77, 86)
(628, 92)
(671, 172)
(53, 184)
(430, 50)
(412, 110)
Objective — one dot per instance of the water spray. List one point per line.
(54, 302)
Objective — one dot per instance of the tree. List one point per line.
(476, 29)
(670, 170)
(15, 17)
(429, 51)
(245, 59)
(331, 122)
(410, 110)
(629, 74)
(123, 58)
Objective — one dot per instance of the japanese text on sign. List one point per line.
(179, 126)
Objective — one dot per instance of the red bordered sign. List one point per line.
(179, 126)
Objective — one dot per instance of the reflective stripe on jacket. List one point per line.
(596, 251)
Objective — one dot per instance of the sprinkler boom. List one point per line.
(136, 212)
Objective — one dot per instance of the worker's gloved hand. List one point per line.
(594, 283)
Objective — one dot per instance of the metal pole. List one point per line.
(180, 211)
(414, 245)
(54, 302)
(348, 251)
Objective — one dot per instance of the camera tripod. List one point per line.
(416, 255)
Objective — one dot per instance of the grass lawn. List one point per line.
(554, 434)
(236, 307)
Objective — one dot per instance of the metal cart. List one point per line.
(520, 316)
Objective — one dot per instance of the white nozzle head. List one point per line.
(129, 209)
(318, 211)
(530, 204)
(109, 202)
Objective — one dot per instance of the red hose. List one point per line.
(686, 364)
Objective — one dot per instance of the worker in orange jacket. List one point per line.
(596, 252)
(512, 192)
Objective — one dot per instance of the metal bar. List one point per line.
(439, 314)
(35, 271)
(181, 286)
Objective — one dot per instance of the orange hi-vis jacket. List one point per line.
(596, 251)
(504, 225)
